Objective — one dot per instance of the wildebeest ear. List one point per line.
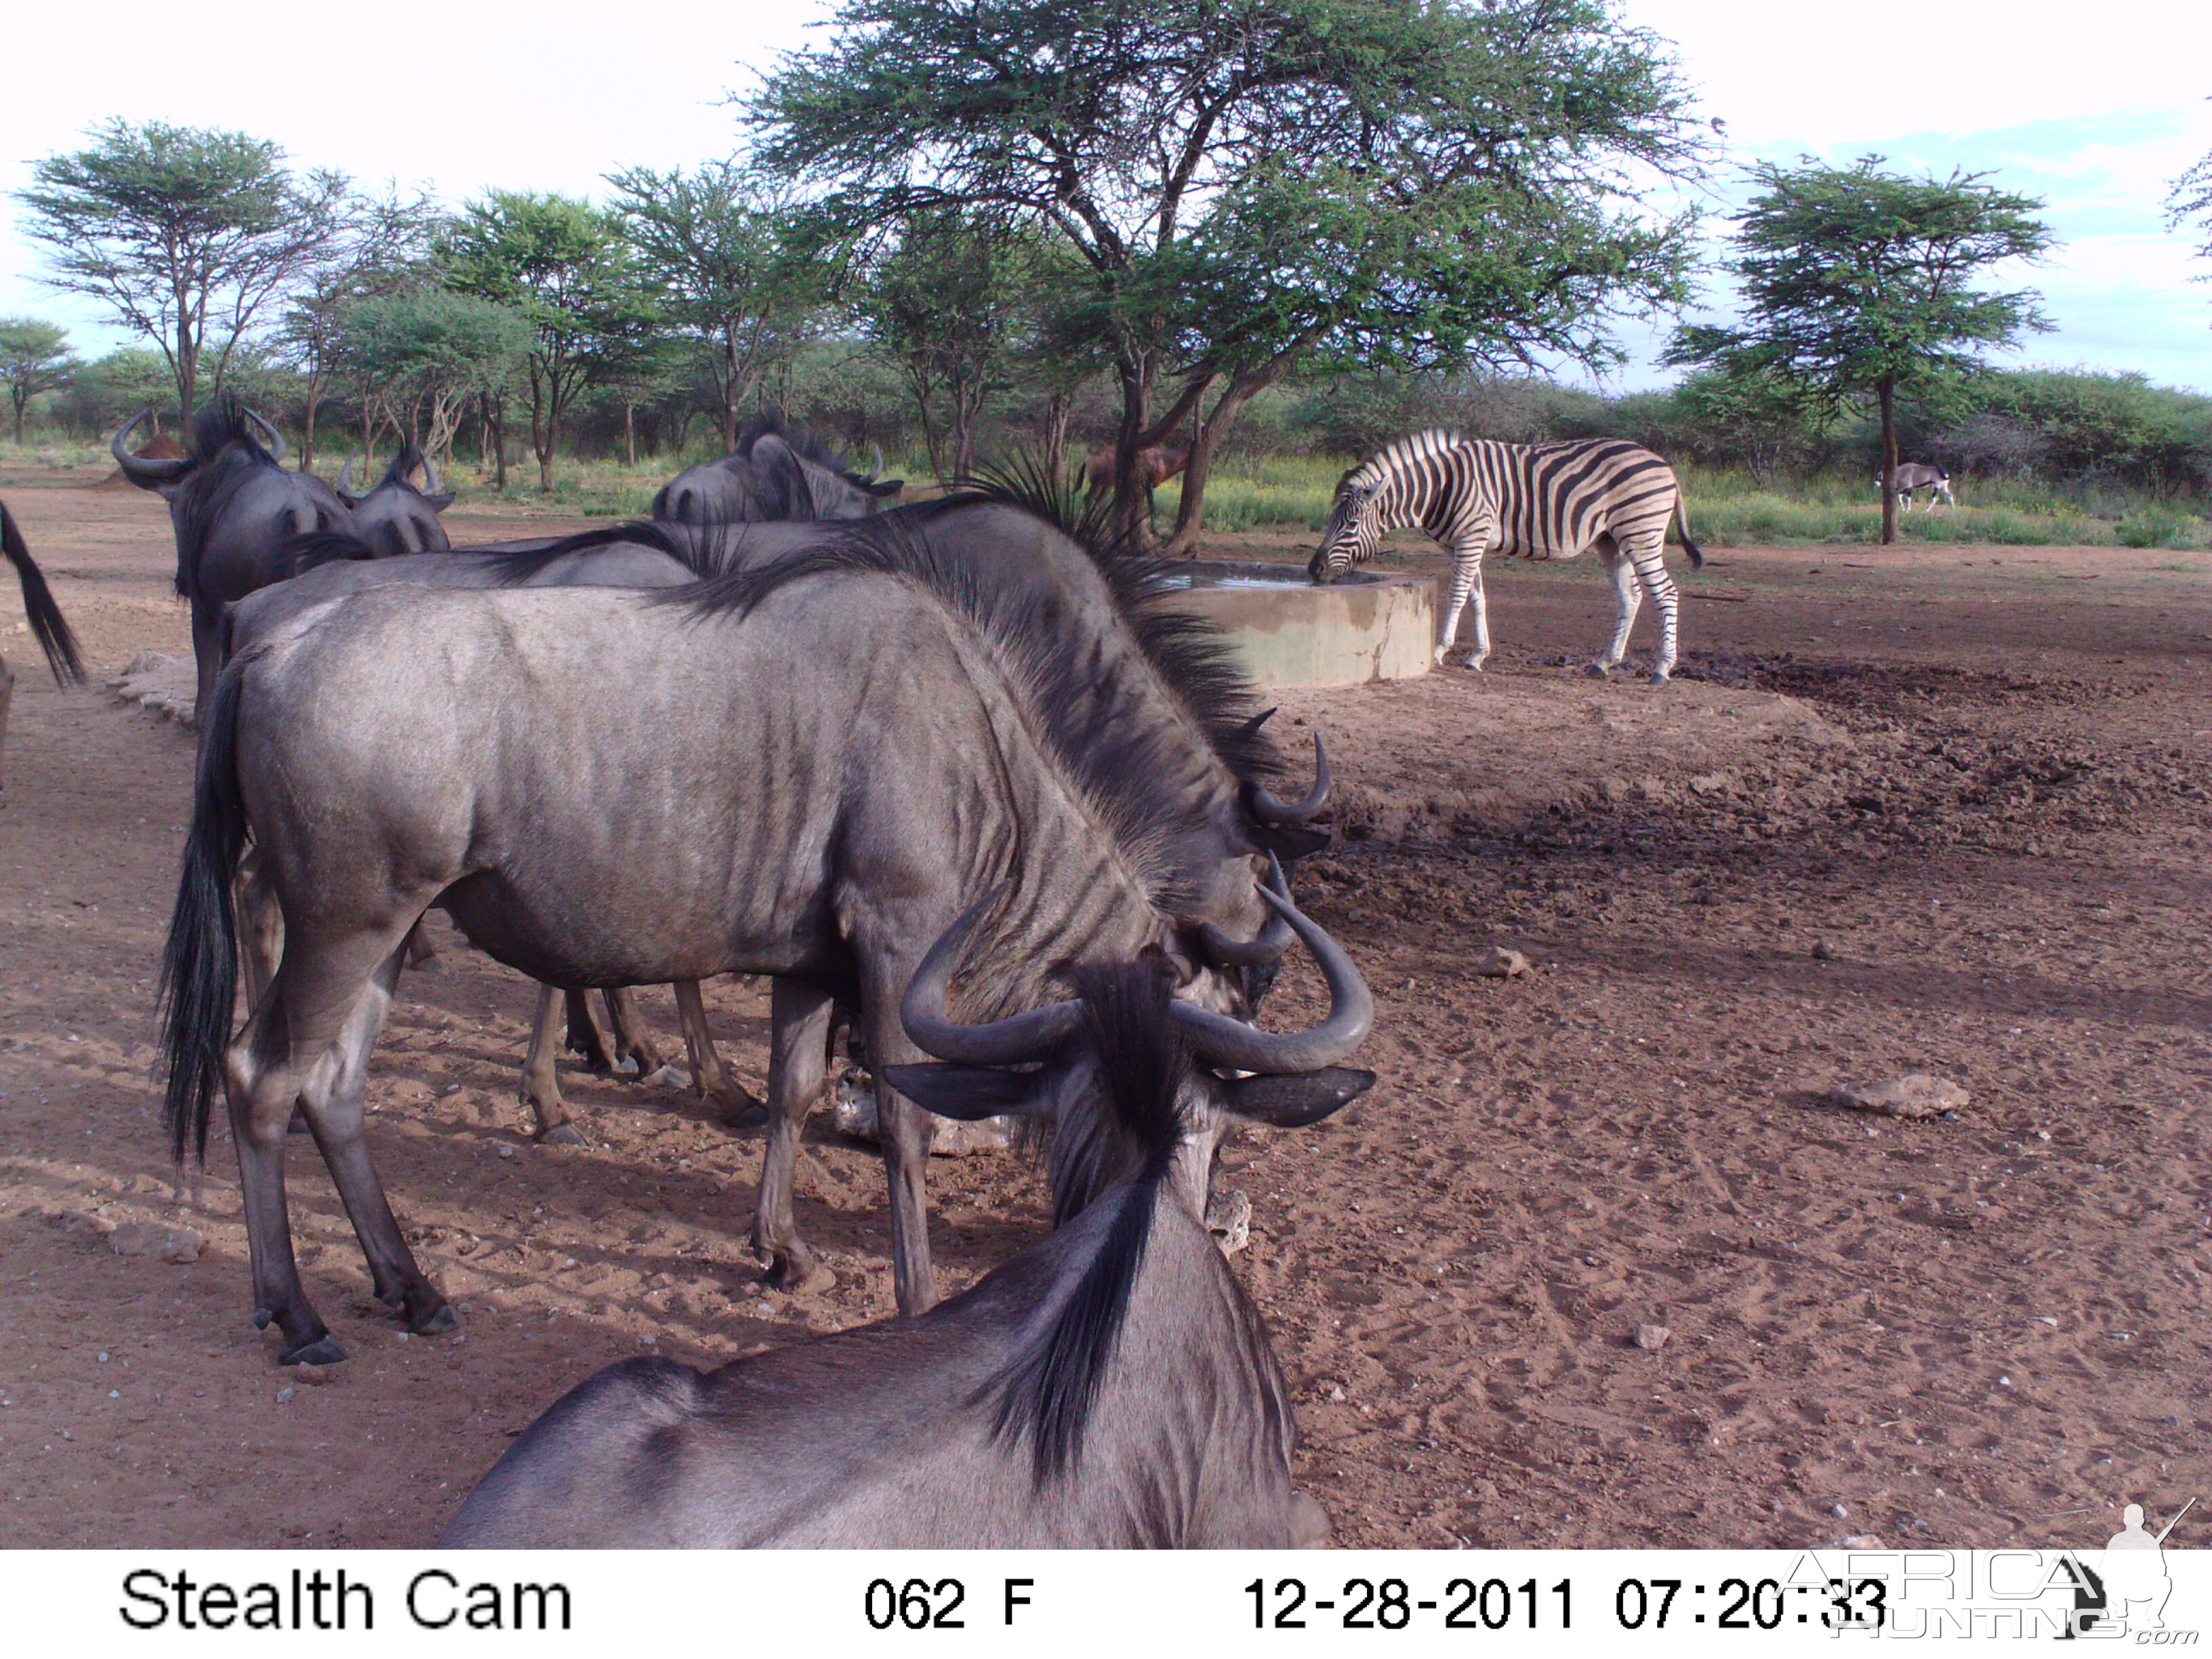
(885, 489)
(968, 1093)
(442, 500)
(1290, 842)
(1294, 1101)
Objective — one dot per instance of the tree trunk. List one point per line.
(1886, 390)
(1056, 409)
(307, 435)
(629, 435)
(1205, 439)
(20, 399)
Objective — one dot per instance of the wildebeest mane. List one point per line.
(1123, 769)
(1129, 1132)
(810, 445)
(703, 548)
(1192, 655)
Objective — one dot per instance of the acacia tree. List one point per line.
(739, 267)
(1859, 284)
(561, 262)
(945, 303)
(34, 357)
(379, 251)
(185, 233)
(1248, 181)
(427, 354)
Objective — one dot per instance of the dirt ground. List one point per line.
(1924, 810)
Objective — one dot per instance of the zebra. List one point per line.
(1916, 475)
(1540, 500)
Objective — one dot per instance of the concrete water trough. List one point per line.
(1365, 627)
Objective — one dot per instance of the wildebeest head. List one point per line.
(232, 503)
(395, 517)
(773, 475)
(1293, 1080)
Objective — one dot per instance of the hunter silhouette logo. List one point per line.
(2126, 1592)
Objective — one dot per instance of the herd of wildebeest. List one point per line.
(950, 766)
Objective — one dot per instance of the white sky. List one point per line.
(2095, 111)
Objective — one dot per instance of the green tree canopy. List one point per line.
(185, 233)
(740, 267)
(34, 357)
(426, 352)
(1427, 180)
(563, 266)
(1858, 282)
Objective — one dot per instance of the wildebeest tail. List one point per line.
(48, 626)
(321, 547)
(1143, 1060)
(199, 966)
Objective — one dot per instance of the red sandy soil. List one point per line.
(1924, 809)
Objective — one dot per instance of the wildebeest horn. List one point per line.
(1003, 1041)
(276, 438)
(141, 471)
(1221, 1040)
(876, 471)
(1269, 810)
(1264, 947)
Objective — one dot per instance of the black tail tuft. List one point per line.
(1682, 517)
(48, 626)
(199, 966)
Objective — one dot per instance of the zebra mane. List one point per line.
(1400, 451)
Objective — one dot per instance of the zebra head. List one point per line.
(1354, 526)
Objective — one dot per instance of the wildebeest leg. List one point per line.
(635, 1055)
(7, 696)
(1627, 596)
(799, 1026)
(333, 1101)
(903, 1131)
(265, 1068)
(708, 1076)
(541, 1078)
(207, 656)
(583, 1037)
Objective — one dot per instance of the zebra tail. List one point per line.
(199, 966)
(1682, 519)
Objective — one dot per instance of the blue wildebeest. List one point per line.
(1539, 501)
(794, 775)
(1918, 475)
(773, 475)
(234, 510)
(1087, 622)
(1111, 1387)
(395, 517)
(48, 627)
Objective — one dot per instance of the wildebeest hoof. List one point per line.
(438, 1321)
(562, 1134)
(261, 1317)
(626, 1067)
(796, 1273)
(667, 1077)
(323, 1351)
(744, 1113)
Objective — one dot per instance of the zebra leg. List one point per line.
(1649, 559)
(1626, 599)
(1466, 585)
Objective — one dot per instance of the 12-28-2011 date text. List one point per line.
(1394, 1604)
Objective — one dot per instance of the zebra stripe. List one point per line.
(1539, 502)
